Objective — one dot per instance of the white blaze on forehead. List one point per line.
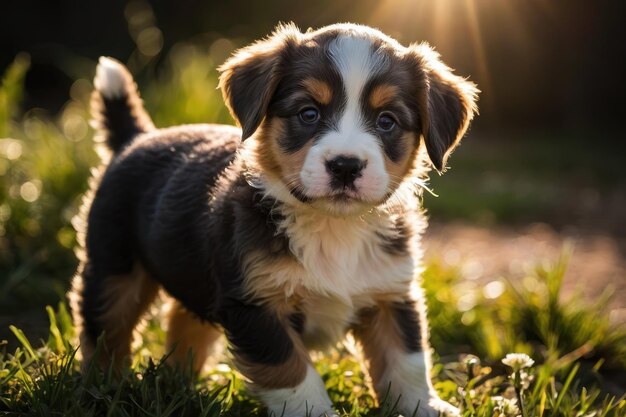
(356, 63)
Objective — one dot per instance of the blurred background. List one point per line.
(543, 167)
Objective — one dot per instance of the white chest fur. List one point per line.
(344, 267)
(337, 266)
(344, 258)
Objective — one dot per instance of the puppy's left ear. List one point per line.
(447, 104)
(249, 78)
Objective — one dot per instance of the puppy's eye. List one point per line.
(309, 115)
(385, 123)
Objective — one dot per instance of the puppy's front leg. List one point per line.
(394, 342)
(270, 353)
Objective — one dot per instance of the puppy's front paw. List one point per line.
(328, 413)
(444, 408)
(432, 407)
(308, 411)
(309, 399)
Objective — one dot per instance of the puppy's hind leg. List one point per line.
(110, 306)
(187, 334)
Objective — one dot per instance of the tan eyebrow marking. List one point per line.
(382, 95)
(319, 90)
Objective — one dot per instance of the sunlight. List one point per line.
(479, 52)
(452, 27)
(463, 32)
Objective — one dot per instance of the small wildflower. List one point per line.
(470, 394)
(505, 406)
(471, 360)
(518, 361)
(472, 365)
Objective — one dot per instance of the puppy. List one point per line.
(286, 233)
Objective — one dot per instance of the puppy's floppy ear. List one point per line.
(249, 77)
(447, 104)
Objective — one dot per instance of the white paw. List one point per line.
(309, 399)
(327, 413)
(446, 409)
(308, 411)
(433, 407)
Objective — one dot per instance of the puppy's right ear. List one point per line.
(249, 77)
(447, 104)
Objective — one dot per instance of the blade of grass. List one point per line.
(24, 341)
(565, 389)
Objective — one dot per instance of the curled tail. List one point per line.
(116, 108)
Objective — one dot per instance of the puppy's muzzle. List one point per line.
(344, 170)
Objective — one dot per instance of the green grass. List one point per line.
(574, 347)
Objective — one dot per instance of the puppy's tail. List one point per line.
(116, 108)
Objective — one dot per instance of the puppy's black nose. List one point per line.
(344, 170)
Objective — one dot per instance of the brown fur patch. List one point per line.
(383, 94)
(272, 159)
(398, 171)
(186, 334)
(291, 164)
(273, 280)
(319, 90)
(379, 333)
(263, 147)
(125, 299)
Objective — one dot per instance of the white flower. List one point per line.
(471, 360)
(505, 406)
(518, 361)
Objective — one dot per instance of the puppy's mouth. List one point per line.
(341, 197)
(344, 196)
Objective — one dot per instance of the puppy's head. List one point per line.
(338, 114)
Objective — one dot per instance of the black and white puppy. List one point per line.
(286, 233)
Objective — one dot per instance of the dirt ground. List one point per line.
(597, 264)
